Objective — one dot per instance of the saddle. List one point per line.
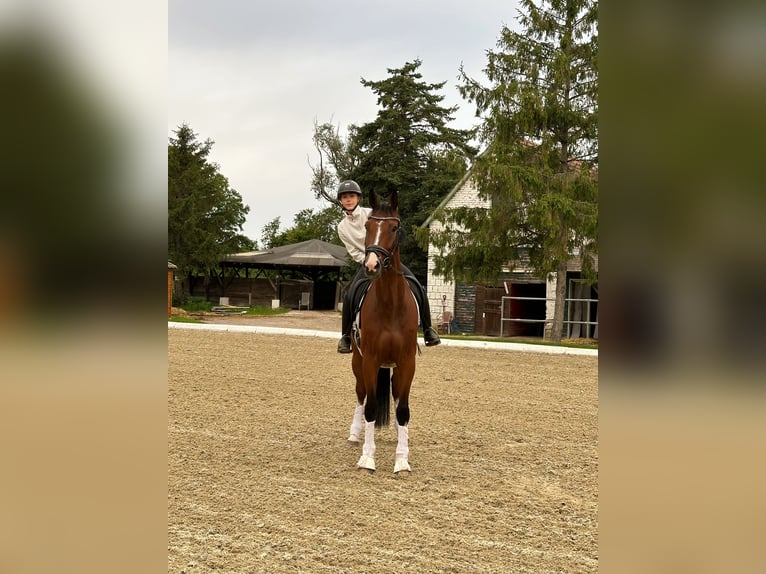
(357, 298)
(361, 288)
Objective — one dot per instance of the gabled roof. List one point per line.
(449, 196)
(311, 253)
(459, 185)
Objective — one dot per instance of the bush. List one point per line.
(177, 300)
(197, 304)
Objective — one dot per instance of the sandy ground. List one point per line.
(503, 448)
(314, 320)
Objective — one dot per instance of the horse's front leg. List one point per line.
(401, 460)
(367, 460)
(402, 383)
(370, 375)
(357, 424)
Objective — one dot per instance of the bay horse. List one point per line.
(385, 337)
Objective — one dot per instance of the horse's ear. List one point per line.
(373, 200)
(393, 199)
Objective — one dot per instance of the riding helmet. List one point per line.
(349, 186)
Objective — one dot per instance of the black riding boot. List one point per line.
(430, 336)
(344, 345)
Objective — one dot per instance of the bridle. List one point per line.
(385, 255)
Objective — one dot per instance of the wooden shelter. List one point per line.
(285, 274)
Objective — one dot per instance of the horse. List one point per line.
(385, 338)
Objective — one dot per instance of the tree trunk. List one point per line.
(558, 312)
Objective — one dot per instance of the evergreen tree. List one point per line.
(205, 215)
(409, 137)
(408, 147)
(539, 167)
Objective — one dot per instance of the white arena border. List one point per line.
(491, 345)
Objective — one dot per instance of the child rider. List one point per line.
(352, 232)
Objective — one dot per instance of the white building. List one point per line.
(522, 303)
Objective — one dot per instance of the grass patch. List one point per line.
(572, 344)
(180, 319)
(202, 305)
(197, 305)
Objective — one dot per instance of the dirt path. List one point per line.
(503, 447)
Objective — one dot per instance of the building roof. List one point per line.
(449, 196)
(312, 253)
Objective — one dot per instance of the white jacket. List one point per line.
(352, 232)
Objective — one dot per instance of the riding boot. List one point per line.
(430, 336)
(344, 345)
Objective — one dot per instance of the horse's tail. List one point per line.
(383, 395)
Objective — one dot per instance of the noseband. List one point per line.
(384, 254)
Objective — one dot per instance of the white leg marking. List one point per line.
(401, 461)
(402, 442)
(356, 425)
(367, 460)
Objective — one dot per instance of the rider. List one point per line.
(352, 232)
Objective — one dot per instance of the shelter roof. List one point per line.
(312, 253)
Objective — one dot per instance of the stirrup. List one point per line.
(431, 337)
(344, 345)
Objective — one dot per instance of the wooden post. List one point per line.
(171, 267)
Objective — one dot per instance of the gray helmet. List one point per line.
(348, 186)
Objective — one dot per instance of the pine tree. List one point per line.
(540, 159)
(408, 147)
(205, 215)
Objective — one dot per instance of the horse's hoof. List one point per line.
(353, 439)
(402, 466)
(366, 462)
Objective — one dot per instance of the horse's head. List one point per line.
(383, 234)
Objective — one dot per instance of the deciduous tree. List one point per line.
(307, 224)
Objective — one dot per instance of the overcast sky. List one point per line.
(253, 75)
